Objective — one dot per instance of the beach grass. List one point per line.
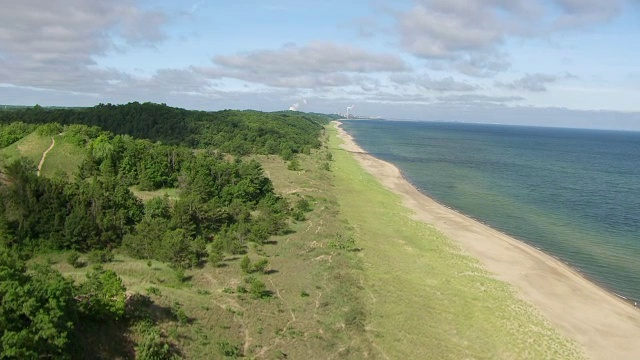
(426, 299)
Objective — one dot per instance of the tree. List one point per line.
(102, 296)
(21, 197)
(49, 129)
(146, 241)
(158, 207)
(101, 148)
(37, 311)
(13, 132)
(177, 249)
(245, 264)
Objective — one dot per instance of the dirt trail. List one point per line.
(44, 154)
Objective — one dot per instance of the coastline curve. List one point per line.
(605, 325)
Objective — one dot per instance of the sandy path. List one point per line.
(606, 327)
(44, 154)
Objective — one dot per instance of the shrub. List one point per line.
(215, 258)
(257, 288)
(152, 346)
(103, 295)
(294, 165)
(73, 259)
(100, 256)
(298, 215)
(260, 266)
(245, 264)
(179, 313)
(180, 275)
(153, 291)
(302, 205)
(229, 350)
(286, 154)
(343, 243)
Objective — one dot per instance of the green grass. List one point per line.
(31, 146)
(286, 324)
(426, 299)
(405, 292)
(148, 195)
(65, 157)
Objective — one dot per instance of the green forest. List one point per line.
(225, 202)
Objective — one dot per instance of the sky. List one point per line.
(572, 63)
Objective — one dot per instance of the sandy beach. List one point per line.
(604, 325)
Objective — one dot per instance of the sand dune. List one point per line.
(603, 324)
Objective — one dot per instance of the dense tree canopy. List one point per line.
(40, 309)
(222, 204)
(228, 202)
(37, 311)
(230, 131)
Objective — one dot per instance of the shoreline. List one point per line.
(604, 324)
(634, 303)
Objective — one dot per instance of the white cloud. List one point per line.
(52, 44)
(575, 13)
(470, 34)
(319, 64)
(426, 82)
(481, 64)
(532, 82)
(442, 29)
(447, 52)
(474, 98)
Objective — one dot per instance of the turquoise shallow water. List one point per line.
(572, 193)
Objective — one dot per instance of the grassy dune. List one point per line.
(316, 309)
(31, 146)
(426, 299)
(402, 292)
(63, 158)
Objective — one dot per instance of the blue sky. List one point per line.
(554, 62)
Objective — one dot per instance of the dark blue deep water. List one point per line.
(572, 193)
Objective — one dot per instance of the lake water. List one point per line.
(573, 193)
